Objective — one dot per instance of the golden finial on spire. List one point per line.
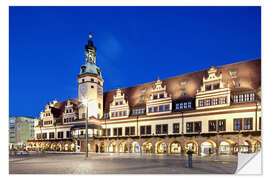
(91, 35)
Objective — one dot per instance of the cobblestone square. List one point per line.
(119, 163)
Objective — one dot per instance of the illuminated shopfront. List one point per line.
(112, 147)
(161, 147)
(147, 147)
(135, 147)
(175, 147)
(123, 147)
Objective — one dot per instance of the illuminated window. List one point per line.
(246, 97)
(252, 97)
(235, 98)
(208, 102)
(185, 105)
(223, 100)
(215, 101)
(201, 103)
(241, 98)
(181, 106)
(189, 105)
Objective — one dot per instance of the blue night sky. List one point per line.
(134, 46)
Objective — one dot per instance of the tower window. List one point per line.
(92, 86)
(92, 80)
(83, 80)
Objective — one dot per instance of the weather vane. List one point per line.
(91, 35)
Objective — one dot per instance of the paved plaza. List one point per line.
(114, 163)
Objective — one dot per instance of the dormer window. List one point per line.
(208, 87)
(216, 86)
(83, 69)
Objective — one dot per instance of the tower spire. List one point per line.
(90, 50)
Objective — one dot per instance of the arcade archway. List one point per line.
(175, 147)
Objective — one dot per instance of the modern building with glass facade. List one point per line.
(21, 129)
(216, 110)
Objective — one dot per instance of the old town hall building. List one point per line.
(217, 110)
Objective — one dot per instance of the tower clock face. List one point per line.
(83, 89)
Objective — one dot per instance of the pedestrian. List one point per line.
(189, 153)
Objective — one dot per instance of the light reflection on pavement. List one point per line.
(119, 163)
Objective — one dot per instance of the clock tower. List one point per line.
(90, 85)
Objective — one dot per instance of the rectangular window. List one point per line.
(149, 110)
(44, 135)
(142, 130)
(132, 131)
(237, 123)
(235, 99)
(189, 127)
(108, 132)
(208, 87)
(177, 106)
(148, 129)
(216, 86)
(189, 105)
(185, 105)
(116, 114)
(160, 108)
(166, 107)
(176, 128)
(181, 106)
(112, 114)
(212, 125)
(38, 136)
(161, 95)
(103, 132)
(248, 123)
(198, 126)
(60, 134)
(223, 100)
(125, 113)
(119, 131)
(221, 125)
(252, 97)
(241, 98)
(121, 102)
(127, 131)
(201, 103)
(215, 101)
(114, 131)
(120, 113)
(155, 109)
(51, 135)
(68, 134)
(208, 102)
(246, 97)
(165, 129)
(155, 97)
(158, 129)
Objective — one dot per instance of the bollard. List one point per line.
(189, 152)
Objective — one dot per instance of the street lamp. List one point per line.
(85, 103)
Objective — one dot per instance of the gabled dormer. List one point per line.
(119, 107)
(69, 114)
(47, 116)
(159, 101)
(213, 92)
